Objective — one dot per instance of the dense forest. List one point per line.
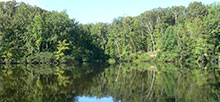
(29, 34)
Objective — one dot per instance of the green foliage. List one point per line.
(42, 57)
(145, 57)
(196, 10)
(61, 47)
(111, 61)
(168, 57)
(68, 59)
(180, 34)
(26, 31)
(169, 40)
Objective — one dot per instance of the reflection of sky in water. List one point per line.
(94, 99)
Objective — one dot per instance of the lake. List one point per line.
(125, 82)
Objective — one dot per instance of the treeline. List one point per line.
(178, 34)
(31, 34)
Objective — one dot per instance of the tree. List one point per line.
(148, 21)
(196, 10)
(169, 40)
(61, 47)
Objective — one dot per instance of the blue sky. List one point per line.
(93, 11)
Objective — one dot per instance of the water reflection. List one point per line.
(94, 99)
(144, 82)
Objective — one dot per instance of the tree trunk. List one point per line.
(176, 18)
(152, 38)
(116, 41)
(132, 41)
(46, 46)
(218, 61)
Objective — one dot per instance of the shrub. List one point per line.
(42, 57)
(67, 59)
(111, 61)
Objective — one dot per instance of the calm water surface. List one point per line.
(146, 82)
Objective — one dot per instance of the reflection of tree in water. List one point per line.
(156, 83)
(28, 84)
(125, 82)
(42, 82)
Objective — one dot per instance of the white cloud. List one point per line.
(31, 2)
